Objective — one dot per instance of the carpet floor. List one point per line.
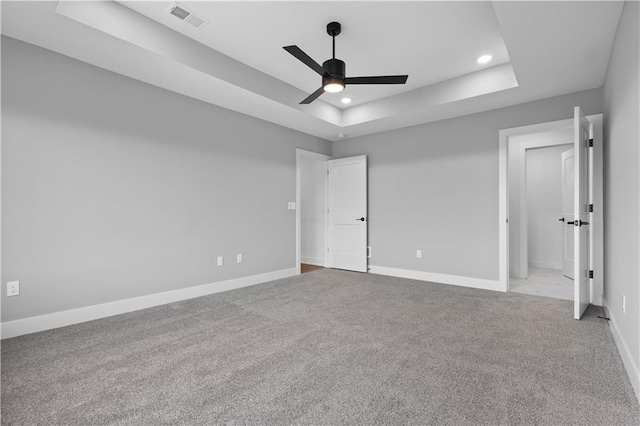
(326, 347)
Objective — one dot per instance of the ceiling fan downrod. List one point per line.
(334, 29)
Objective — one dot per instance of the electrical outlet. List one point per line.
(419, 254)
(239, 257)
(291, 205)
(624, 305)
(220, 260)
(13, 288)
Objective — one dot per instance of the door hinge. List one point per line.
(590, 208)
(590, 274)
(591, 143)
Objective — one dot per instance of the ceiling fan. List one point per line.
(333, 70)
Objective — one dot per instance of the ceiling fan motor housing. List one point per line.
(335, 69)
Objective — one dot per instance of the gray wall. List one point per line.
(622, 183)
(113, 189)
(434, 186)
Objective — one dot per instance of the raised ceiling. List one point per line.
(375, 39)
(236, 60)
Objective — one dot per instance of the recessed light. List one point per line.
(345, 100)
(484, 59)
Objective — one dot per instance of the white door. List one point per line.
(568, 182)
(348, 213)
(581, 281)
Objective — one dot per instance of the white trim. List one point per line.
(312, 261)
(627, 359)
(300, 153)
(2, 284)
(433, 277)
(89, 313)
(503, 210)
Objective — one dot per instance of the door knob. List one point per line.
(561, 219)
(571, 222)
(362, 219)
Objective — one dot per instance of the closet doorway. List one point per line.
(588, 203)
(311, 210)
(545, 182)
(541, 197)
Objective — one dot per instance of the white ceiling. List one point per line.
(375, 39)
(236, 59)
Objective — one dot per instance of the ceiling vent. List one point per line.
(185, 15)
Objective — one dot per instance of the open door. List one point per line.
(347, 212)
(568, 195)
(581, 281)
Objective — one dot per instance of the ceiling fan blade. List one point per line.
(380, 79)
(305, 59)
(312, 97)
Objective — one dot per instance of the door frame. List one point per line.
(597, 241)
(320, 157)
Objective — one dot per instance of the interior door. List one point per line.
(581, 281)
(347, 213)
(568, 182)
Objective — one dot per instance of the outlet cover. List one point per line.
(419, 254)
(292, 205)
(239, 258)
(220, 260)
(13, 288)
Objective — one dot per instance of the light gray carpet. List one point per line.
(327, 347)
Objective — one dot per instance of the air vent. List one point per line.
(194, 20)
(185, 15)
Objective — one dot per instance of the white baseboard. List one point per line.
(89, 313)
(545, 265)
(627, 359)
(480, 283)
(318, 261)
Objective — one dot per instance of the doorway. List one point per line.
(537, 235)
(311, 199)
(589, 232)
(331, 212)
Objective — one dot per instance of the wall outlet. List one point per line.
(220, 260)
(13, 288)
(292, 205)
(239, 257)
(419, 254)
(624, 305)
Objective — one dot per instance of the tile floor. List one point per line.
(544, 282)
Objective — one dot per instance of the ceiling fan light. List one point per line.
(333, 85)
